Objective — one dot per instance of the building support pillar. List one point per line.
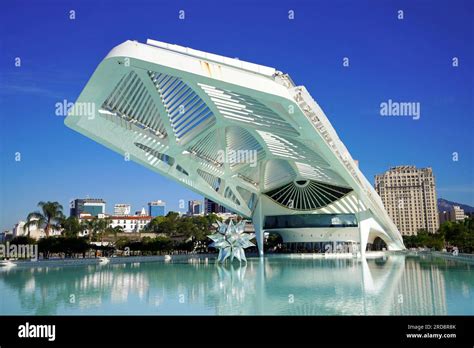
(257, 220)
(364, 229)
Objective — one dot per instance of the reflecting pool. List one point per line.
(393, 285)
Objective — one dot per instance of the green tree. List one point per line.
(121, 243)
(22, 240)
(72, 245)
(165, 225)
(89, 225)
(459, 234)
(47, 246)
(71, 227)
(425, 239)
(183, 231)
(186, 228)
(114, 231)
(102, 226)
(97, 228)
(49, 216)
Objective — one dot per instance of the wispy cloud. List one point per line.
(51, 84)
(8, 89)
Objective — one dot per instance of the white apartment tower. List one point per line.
(409, 196)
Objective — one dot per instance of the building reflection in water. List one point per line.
(422, 289)
(270, 286)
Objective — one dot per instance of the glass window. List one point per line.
(310, 220)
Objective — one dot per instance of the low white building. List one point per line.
(129, 224)
(35, 232)
(456, 213)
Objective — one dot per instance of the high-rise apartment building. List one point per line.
(212, 207)
(409, 196)
(194, 207)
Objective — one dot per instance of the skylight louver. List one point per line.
(307, 194)
(131, 101)
(187, 112)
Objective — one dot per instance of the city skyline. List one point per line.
(58, 165)
(182, 206)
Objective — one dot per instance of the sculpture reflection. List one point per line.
(265, 286)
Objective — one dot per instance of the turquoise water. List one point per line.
(395, 285)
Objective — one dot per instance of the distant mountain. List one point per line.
(444, 204)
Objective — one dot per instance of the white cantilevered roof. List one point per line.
(176, 110)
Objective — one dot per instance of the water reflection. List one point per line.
(274, 286)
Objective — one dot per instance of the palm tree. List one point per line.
(115, 230)
(50, 216)
(71, 226)
(102, 226)
(90, 226)
(96, 226)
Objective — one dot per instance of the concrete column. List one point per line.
(363, 230)
(257, 220)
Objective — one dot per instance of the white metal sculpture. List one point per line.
(231, 241)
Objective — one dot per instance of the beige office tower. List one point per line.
(409, 196)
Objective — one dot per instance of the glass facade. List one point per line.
(93, 206)
(310, 220)
(320, 247)
(94, 210)
(156, 210)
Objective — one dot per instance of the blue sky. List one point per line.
(403, 60)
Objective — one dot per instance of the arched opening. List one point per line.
(302, 183)
(378, 244)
